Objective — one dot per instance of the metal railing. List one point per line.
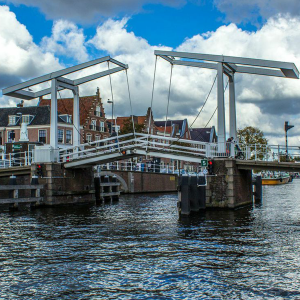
(17, 159)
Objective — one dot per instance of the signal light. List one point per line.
(123, 152)
(39, 170)
(210, 167)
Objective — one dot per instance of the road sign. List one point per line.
(204, 171)
(16, 146)
(204, 163)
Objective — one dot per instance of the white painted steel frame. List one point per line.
(59, 83)
(229, 65)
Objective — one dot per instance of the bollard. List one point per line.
(193, 194)
(201, 184)
(34, 180)
(183, 196)
(258, 189)
(97, 188)
(13, 193)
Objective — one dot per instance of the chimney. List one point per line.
(98, 93)
(21, 104)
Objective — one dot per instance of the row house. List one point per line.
(93, 125)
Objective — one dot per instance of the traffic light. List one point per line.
(39, 170)
(210, 167)
(123, 152)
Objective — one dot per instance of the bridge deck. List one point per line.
(268, 165)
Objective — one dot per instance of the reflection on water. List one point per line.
(140, 249)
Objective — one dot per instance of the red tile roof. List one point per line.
(65, 106)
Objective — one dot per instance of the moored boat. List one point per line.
(275, 179)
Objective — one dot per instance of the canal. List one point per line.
(139, 249)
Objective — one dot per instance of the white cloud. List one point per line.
(66, 39)
(89, 10)
(20, 57)
(254, 10)
(263, 102)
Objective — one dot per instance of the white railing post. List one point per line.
(9, 159)
(255, 149)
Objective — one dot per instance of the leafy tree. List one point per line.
(128, 128)
(249, 136)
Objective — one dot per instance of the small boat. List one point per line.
(275, 178)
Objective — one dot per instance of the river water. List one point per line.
(138, 248)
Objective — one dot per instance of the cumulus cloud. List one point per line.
(67, 40)
(89, 10)
(20, 57)
(261, 101)
(252, 11)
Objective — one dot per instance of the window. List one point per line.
(88, 138)
(60, 136)
(68, 136)
(66, 118)
(98, 138)
(102, 126)
(27, 119)
(1, 136)
(93, 124)
(10, 136)
(12, 120)
(98, 111)
(42, 136)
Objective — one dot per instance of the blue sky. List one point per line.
(38, 37)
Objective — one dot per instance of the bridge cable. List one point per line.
(152, 95)
(114, 119)
(199, 111)
(169, 93)
(130, 102)
(211, 115)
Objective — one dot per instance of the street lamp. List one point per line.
(286, 128)
(112, 114)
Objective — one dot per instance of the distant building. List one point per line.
(207, 135)
(93, 125)
(141, 120)
(92, 121)
(174, 128)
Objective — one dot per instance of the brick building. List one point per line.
(92, 121)
(93, 125)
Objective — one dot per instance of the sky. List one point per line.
(39, 36)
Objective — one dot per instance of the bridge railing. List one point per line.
(17, 159)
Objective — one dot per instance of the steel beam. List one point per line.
(232, 108)
(97, 75)
(221, 110)
(76, 118)
(205, 65)
(53, 119)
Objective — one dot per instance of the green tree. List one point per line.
(254, 139)
(128, 128)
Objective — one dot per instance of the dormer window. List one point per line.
(27, 119)
(66, 118)
(12, 120)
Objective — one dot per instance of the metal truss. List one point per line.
(62, 82)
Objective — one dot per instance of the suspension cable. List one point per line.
(205, 101)
(200, 109)
(169, 93)
(130, 102)
(153, 85)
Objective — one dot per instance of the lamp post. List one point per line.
(286, 128)
(112, 114)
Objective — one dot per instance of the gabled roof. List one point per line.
(203, 134)
(65, 106)
(41, 114)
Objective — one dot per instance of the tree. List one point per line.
(128, 128)
(254, 139)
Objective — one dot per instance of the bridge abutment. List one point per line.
(230, 188)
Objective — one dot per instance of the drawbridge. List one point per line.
(147, 144)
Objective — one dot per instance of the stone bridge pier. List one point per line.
(230, 187)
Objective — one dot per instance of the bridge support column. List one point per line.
(221, 110)
(76, 118)
(53, 119)
(230, 188)
(232, 108)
